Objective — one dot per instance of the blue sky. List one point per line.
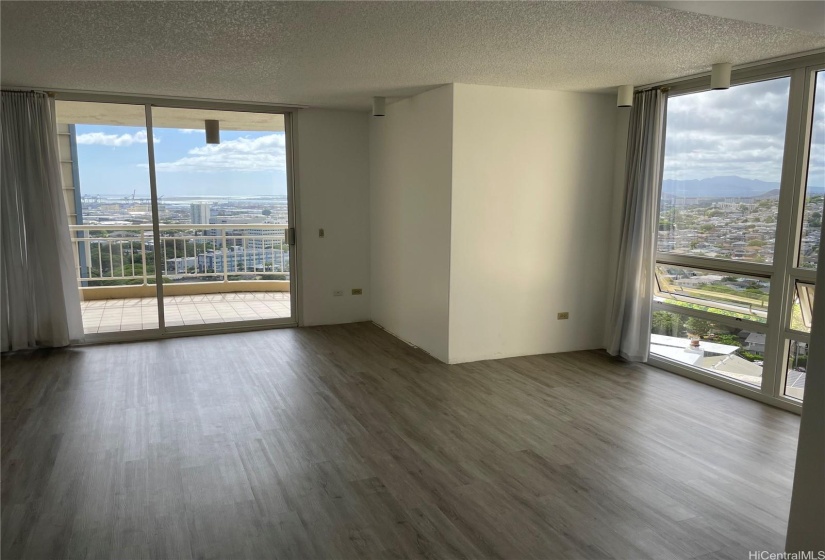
(113, 160)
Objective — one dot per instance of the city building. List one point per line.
(756, 343)
(240, 259)
(200, 212)
(181, 265)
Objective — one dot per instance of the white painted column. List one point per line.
(806, 525)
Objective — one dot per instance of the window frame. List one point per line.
(783, 271)
(148, 103)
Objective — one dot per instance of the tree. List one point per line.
(136, 276)
(266, 212)
(699, 327)
(727, 338)
(750, 356)
(667, 323)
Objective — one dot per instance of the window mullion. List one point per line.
(716, 265)
(773, 372)
(735, 322)
(807, 276)
(797, 335)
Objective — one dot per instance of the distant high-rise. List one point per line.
(200, 212)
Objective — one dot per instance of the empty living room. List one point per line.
(412, 279)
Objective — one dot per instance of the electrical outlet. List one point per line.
(563, 315)
(357, 291)
(321, 233)
(337, 293)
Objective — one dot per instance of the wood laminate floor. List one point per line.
(343, 442)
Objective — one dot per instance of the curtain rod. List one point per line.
(131, 97)
(643, 89)
(26, 90)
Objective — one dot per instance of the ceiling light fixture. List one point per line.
(625, 97)
(720, 76)
(213, 132)
(379, 106)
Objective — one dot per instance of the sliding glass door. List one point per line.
(224, 216)
(738, 241)
(106, 183)
(176, 229)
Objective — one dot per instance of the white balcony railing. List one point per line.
(125, 254)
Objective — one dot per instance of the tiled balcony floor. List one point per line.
(115, 315)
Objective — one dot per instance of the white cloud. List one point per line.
(115, 140)
(263, 153)
(740, 131)
(189, 130)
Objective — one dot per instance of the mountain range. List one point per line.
(724, 187)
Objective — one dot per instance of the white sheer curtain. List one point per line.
(628, 328)
(41, 304)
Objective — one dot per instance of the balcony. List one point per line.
(211, 273)
(130, 314)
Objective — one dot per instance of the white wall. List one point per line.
(410, 173)
(332, 184)
(533, 175)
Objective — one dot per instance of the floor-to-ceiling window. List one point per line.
(805, 221)
(739, 222)
(174, 229)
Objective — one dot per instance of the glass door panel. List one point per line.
(223, 211)
(105, 172)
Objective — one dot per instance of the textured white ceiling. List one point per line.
(806, 15)
(338, 54)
